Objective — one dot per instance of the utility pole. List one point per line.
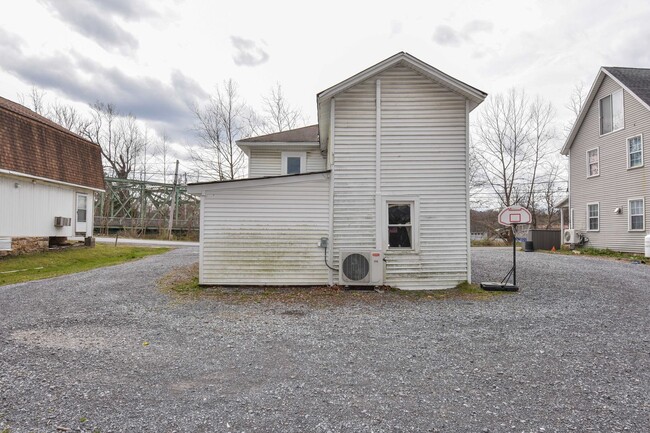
(173, 202)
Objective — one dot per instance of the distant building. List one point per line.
(609, 183)
(48, 176)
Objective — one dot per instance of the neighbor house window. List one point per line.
(293, 162)
(637, 214)
(593, 216)
(593, 162)
(611, 112)
(400, 225)
(635, 152)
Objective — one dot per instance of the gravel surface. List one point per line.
(106, 351)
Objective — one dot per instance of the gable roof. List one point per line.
(474, 95)
(305, 134)
(35, 146)
(636, 81)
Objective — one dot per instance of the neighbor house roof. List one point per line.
(34, 146)
(474, 95)
(306, 134)
(636, 81)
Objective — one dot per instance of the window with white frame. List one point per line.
(294, 162)
(611, 112)
(401, 224)
(593, 162)
(637, 214)
(593, 217)
(635, 152)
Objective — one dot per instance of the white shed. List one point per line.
(48, 177)
(392, 203)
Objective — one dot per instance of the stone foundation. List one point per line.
(27, 245)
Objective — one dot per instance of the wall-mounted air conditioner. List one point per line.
(571, 236)
(361, 268)
(62, 222)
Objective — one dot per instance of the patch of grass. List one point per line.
(606, 252)
(30, 267)
(490, 243)
(184, 281)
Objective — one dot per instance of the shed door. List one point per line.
(82, 213)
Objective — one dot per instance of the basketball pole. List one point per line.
(514, 255)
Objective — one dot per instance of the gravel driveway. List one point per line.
(570, 352)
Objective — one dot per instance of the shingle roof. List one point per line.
(635, 79)
(306, 134)
(33, 145)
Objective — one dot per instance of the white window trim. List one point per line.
(629, 214)
(600, 115)
(415, 222)
(587, 157)
(301, 155)
(588, 218)
(627, 150)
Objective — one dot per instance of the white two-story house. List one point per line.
(375, 193)
(609, 180)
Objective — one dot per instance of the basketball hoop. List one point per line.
(518, 218)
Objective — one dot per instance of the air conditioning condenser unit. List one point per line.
(361, 268)
(571, 236)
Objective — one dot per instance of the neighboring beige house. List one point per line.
(48, 177)
(609, 182)
(376, 193)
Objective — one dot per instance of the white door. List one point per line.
(82, 214)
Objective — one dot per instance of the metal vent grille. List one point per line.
(356, 267)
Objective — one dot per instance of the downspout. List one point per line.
(330, 274)
(469, 242)
(378, 212)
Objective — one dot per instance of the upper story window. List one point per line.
(635, 152)
(294, 162)
(593, 216)
(637, 214)
(611, 113)
(593, 162)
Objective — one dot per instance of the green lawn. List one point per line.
(54, 263)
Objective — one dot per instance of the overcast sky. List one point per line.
(153, 58)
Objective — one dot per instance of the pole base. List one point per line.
(499, 287)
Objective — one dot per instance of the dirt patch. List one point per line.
(68, 339)
(184, 281)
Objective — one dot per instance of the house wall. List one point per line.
(615, 184)
(29, 208)
(267, 233)
(268, 162)
(422, 141)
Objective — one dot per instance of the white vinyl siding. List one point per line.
(611, 112)
(635, 151)
(636, 208)
(268, 162)
(615, 183)
(29, 208)
(422, 154)
(265, 234)
(593, 217)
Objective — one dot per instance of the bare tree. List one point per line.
(278, 114)
(120, 138)
(163, 153)
(35, 100)
(223, 120)
(68, 117)
(551, 189)
(514, 139)
(575, 104)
